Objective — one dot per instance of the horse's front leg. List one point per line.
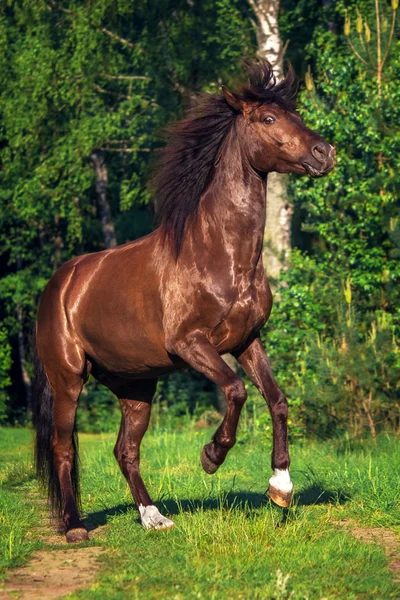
(256, 365)
(200, 354)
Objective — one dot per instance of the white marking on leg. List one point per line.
(281, 481)
(151, 518)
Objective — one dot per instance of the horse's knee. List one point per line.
(226, 440)
(279, 408)
(236, 393)
(236, 396)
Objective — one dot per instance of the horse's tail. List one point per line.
(43, 421)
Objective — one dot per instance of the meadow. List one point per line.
(229, 540)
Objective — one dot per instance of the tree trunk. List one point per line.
(22, 360)
(278, 225)
(267, 33)
(101, 172)
(22, 350)
(58, 244)
(279, 212)
(331, 24)
(367, 409)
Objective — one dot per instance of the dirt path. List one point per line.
(378, 535)
(52, 574)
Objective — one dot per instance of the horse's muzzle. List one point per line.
(321, 161)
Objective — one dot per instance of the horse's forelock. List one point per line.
(263, 87)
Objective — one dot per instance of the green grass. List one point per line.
(18, 516)
(229, 540)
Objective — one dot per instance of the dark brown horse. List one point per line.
(192, 290)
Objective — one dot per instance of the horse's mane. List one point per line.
(186, 162)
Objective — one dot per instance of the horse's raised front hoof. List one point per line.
(76, 535)
(207, 464)
(282, 499)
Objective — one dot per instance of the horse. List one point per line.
(189, 292)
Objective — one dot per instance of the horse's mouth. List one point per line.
(317, 172)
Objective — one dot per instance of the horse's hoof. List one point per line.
(151, 518)
(282, 499)
(77, 535)
(207, 464)
(164, 524)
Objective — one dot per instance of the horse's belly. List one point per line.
(134, 349)
(123, 337)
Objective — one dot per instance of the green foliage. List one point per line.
(343, 371)
(353, 214)
(337, 355)
(98, 409)
(351, 380)
(184, 392)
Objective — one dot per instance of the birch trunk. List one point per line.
(26, 380)
(22, 360)
(279, 212)
(101, 173)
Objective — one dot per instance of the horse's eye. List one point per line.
(268, 120)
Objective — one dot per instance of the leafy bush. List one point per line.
(98, 409)
(339, 373)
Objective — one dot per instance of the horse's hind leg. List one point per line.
(64, 451)
(61, 378)
(135, 401)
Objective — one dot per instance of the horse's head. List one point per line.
(274, 137)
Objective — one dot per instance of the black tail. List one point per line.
(43, 421)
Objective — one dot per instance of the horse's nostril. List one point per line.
(320, 152)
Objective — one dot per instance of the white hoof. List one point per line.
(281, 481)
(151, 518)
(281, 488)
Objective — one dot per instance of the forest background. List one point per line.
(86, 89)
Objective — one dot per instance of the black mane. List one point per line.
(186, 162)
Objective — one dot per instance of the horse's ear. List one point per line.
(234, 100)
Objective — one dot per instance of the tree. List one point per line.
(277, 240)
(107, 225)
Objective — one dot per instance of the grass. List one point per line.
(229, 540)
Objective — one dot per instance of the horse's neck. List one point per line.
(231, 214)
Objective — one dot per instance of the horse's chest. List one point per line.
(246, 315)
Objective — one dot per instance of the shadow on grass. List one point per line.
(98, 518)
(311, 495)
(315, 493)
(240, 500)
